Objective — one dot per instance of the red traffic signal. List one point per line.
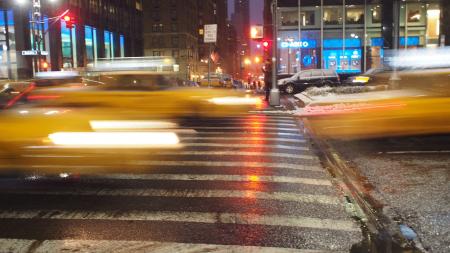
(69, 20)
(266, 45)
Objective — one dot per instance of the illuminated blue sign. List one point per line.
(298, 44)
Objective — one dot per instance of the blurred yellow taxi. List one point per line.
(73, 126)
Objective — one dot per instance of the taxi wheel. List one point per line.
(290, 88)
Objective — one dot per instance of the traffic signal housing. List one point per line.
(69, 20)
(266, 45)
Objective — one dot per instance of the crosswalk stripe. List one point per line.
(189, 193)
(225, 164)
(180, 153)
(216, 177)
(194, 217)
(250, 127)
(249, 138)
(233, 145)
(240, 153)
(121, 246)
(247, 133)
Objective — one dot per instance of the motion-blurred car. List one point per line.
(419, 105)
(309, 78)
(105, 125)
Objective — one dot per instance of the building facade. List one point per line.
(102, 29)
(241, 22)
(171, 29)
(352, 36)
(175, 28)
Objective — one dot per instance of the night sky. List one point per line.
(256, 10)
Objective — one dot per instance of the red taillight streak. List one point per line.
(16, 98)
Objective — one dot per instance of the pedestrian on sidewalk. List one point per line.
(267, 70)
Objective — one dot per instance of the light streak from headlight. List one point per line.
(235, 101)
(361, 79)
(130, 124)
(114, 139)
(51, 112)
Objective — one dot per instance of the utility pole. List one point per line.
(274, 99)
(35, 29)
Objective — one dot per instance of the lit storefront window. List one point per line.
(290, 18)
(8, 63)
(91, 43)
(68, 44)
(355, 14)
(332, 15)
(122, 45)
(109, 44)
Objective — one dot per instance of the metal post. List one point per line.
(322, 65)
(209, 66)
(365, 36)
(406, 25)
(274, 92)
(299, 37)
(35, 27)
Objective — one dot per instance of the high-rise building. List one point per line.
(102, 29)
(171, 29)
(241, 22)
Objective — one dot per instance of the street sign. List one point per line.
(34, 53)
(210, 33)
(256, 32)
(30, 52)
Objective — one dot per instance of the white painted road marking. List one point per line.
(232, 145)
(249, 138)
(215, 177)
(121, 246)
(250, 127)
(225, 164)
(195, 217)
(247, 194)
(240, 153)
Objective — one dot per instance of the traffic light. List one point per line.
(266, 45)
(69, 20)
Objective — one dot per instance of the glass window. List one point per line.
(355, 14)
(175, 53)
(376, 14)
(107, 39)
(122, 46)
(88, 38)
(305, 74)
(414, 13)
(174, 27)
(175, 41)
(290, 18)
(332, 15)
(66, 45)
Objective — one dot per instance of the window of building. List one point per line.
(355, 14)
(122, 45)
(155, 42)
(91, 44)
(376, 14)
(68, 45)
(8, 64)
(175, 41)
(173, 14)
(332, 15)
(175, 53)
(156, 15)
(290, 18)
(415, 13)
(174, 27)
(157, 53)
(109, 44)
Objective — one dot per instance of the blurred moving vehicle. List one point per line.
(104, 125)
(309, 78)
(419, 105)
(217, 80)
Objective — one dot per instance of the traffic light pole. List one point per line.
(274, 99)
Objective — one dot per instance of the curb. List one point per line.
(381, 233)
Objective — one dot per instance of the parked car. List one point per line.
(309, 78)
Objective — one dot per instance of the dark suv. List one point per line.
(309, 78)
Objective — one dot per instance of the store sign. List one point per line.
(34, 53)
(30, 52)
(298, 44)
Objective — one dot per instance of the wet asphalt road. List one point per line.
(410, 178)
(240, 184)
